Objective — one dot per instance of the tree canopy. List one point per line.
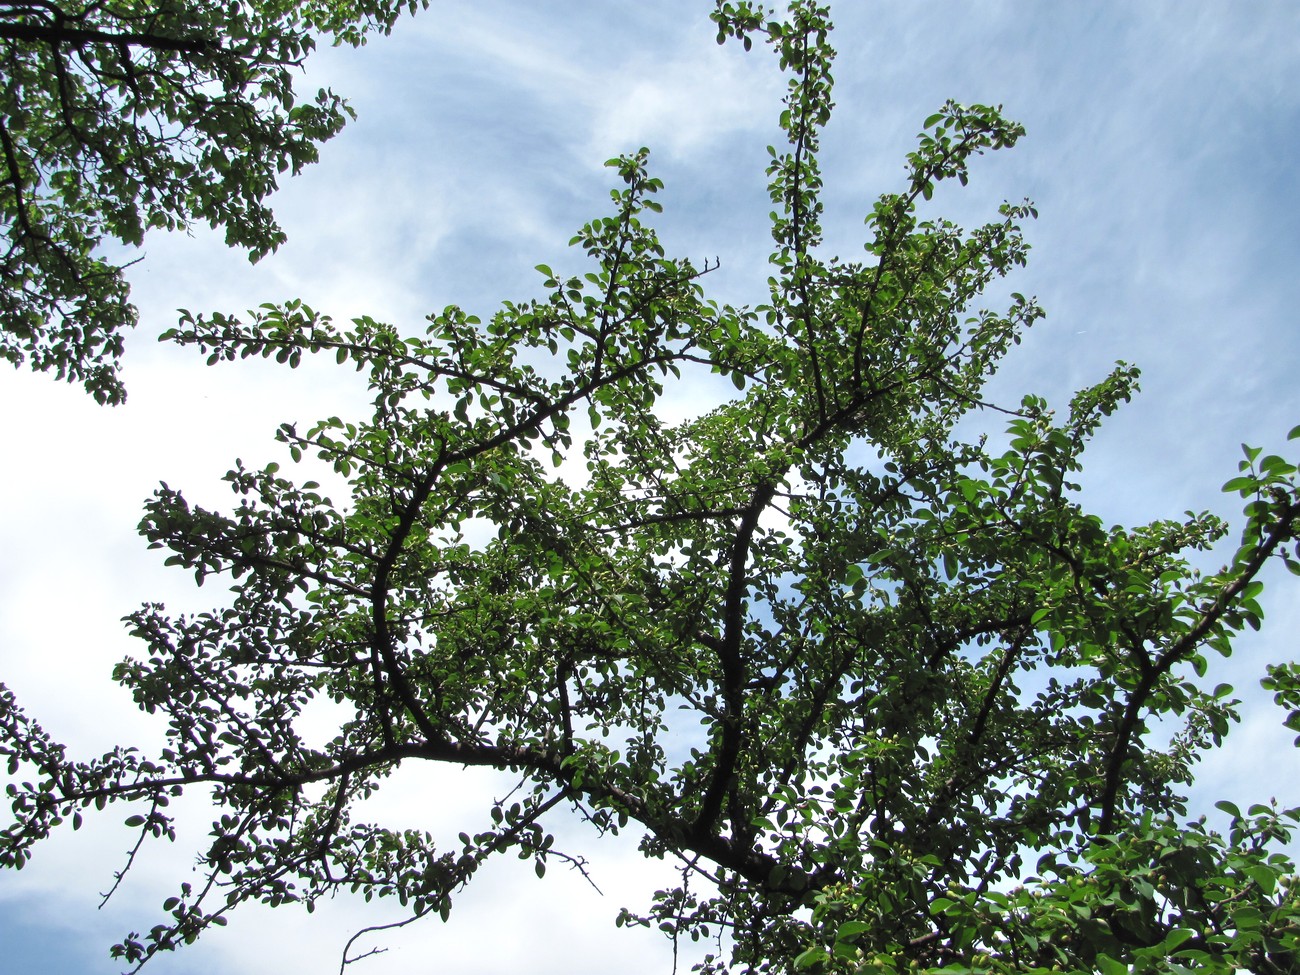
(848, 645)
(121, 117)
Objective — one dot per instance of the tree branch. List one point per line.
(77, 36)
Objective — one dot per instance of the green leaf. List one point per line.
(810, 957)
(851, 929)
(1231, 808)
(1263, 876)
(1176, 937)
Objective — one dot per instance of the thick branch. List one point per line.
(733, 667)
(78, 36)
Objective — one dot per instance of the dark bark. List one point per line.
(77, 36)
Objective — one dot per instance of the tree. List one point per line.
(121, 117)
(892, 696)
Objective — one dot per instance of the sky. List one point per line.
(1160, 154)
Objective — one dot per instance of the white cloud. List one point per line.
(693, 103)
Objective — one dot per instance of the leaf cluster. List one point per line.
(123, 117)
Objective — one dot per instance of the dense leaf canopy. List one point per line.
(892, 696)
(120, 117)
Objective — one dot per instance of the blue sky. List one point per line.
(1160, 152)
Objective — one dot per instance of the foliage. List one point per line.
(1158, 900)
(120, 117)
(858, 673)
